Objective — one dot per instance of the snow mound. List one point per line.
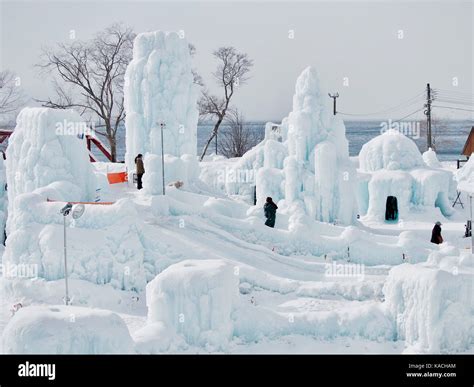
(430, 159)
(433, 307)
(66, 330)
(159, 88)
(195, 298)
(391, 150)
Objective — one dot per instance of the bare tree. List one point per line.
(12, 97)
(89, 76)
(232, 70)
(237, 138)
(197, 79)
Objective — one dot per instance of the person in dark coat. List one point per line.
(269, 210)
(436, 234)
(140, 169)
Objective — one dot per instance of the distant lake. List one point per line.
(450, 138)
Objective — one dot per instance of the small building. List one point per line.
(394, 179)
(469, 145)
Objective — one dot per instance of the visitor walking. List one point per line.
(436, 234)
(140, 169)
(269, 210)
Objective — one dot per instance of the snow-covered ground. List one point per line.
(281, 295)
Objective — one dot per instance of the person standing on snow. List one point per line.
(269, 209)
(436, 234)
(140, 169)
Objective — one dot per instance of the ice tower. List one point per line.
(316, 176)
(159, 89)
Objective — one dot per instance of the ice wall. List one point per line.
(159, 88)
(47, 154)
(195, 298)
(432, 305)
(46, 159)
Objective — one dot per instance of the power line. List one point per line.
(450, 107)
(454, 102)
(454, 94)
(410, 102)
(455, 98)
(408, 115)
(466, 93)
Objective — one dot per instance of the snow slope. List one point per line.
(287, 284)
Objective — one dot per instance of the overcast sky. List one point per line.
(357, 40)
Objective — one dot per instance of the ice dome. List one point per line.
(391, 150)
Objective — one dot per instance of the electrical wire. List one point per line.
(410, 102)
(454, 92)
(448, 96)
(450, 107)
(408, 115)
(454, 102)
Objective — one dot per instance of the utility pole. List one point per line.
(162, 125)
(428, 116)
(334, 96)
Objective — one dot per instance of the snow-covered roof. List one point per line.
(391, 150)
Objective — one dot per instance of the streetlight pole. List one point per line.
(162, 126)
(65, 261)
(65, 212)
